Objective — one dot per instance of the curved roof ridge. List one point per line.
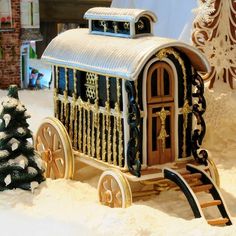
(118, 14)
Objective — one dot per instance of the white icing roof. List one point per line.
(118, 57)
(118, 14)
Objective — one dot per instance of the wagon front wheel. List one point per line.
(53, 143)
(114, 189)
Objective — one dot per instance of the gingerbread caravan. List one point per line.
(131, 104)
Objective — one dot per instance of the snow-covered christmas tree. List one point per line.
(20, 165)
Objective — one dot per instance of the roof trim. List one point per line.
(118, 14)
(115, 57)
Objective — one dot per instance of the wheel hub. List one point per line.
(49, 156)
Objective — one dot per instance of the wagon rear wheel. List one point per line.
(53, 143)
(114, 189)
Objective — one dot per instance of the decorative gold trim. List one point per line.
(88, 129)
(103, 137)
(216, 176)
(185, 111)
(79, 102)
(163, 134)
(163, 54)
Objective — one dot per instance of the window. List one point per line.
(5, 14)
(29, 13)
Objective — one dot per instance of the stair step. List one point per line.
(192, 176)
(219, 221)
(201, 188)
(184, 172)
(211, 203)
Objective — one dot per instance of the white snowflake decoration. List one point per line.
(20, 107)
(204, 10)
(20, 161)
(7, 179)
(21, 130)
(32, 170)
(14, 146)
(27, 115)
(1, 109)
(3, 135)
(29, 145)
(13, 140)
(1, 121)
(10, 102)
(4, 153)
(7, 119)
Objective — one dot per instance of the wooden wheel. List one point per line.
(212, 169)
(53, 143)
(114, 189)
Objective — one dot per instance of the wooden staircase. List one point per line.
(194, 181)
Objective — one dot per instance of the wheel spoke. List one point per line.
(118, 200)
(40, 146)
(56, 171)
(58, 154)
(48, 136)
(60, 166)
(44, 156)
(114, 185)
(107, 184)
(55, 142)
(42, 138)
(48, 170)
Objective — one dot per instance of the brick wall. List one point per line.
(10, 43)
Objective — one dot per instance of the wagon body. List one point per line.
(128, 102)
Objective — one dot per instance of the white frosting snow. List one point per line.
(7, 119)
(21, 161)
(3, 153)
(7, 180)
(3, 135)
(21, 130)
(9, 102)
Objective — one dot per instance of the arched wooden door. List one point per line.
(160, 107)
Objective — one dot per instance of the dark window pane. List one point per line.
(102, 91)
(143, 26)
(61, 80)
(70, 74)
(154, 133)
(154, 89)
(113, 92)
(166, 83)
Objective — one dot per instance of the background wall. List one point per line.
(174, 16)
(10, 43)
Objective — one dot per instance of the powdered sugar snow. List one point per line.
(66, 207)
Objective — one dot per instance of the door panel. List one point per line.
(160, 133)
(160, 107)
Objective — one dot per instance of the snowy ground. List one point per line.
(65, 207)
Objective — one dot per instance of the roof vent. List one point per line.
(120, 22)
